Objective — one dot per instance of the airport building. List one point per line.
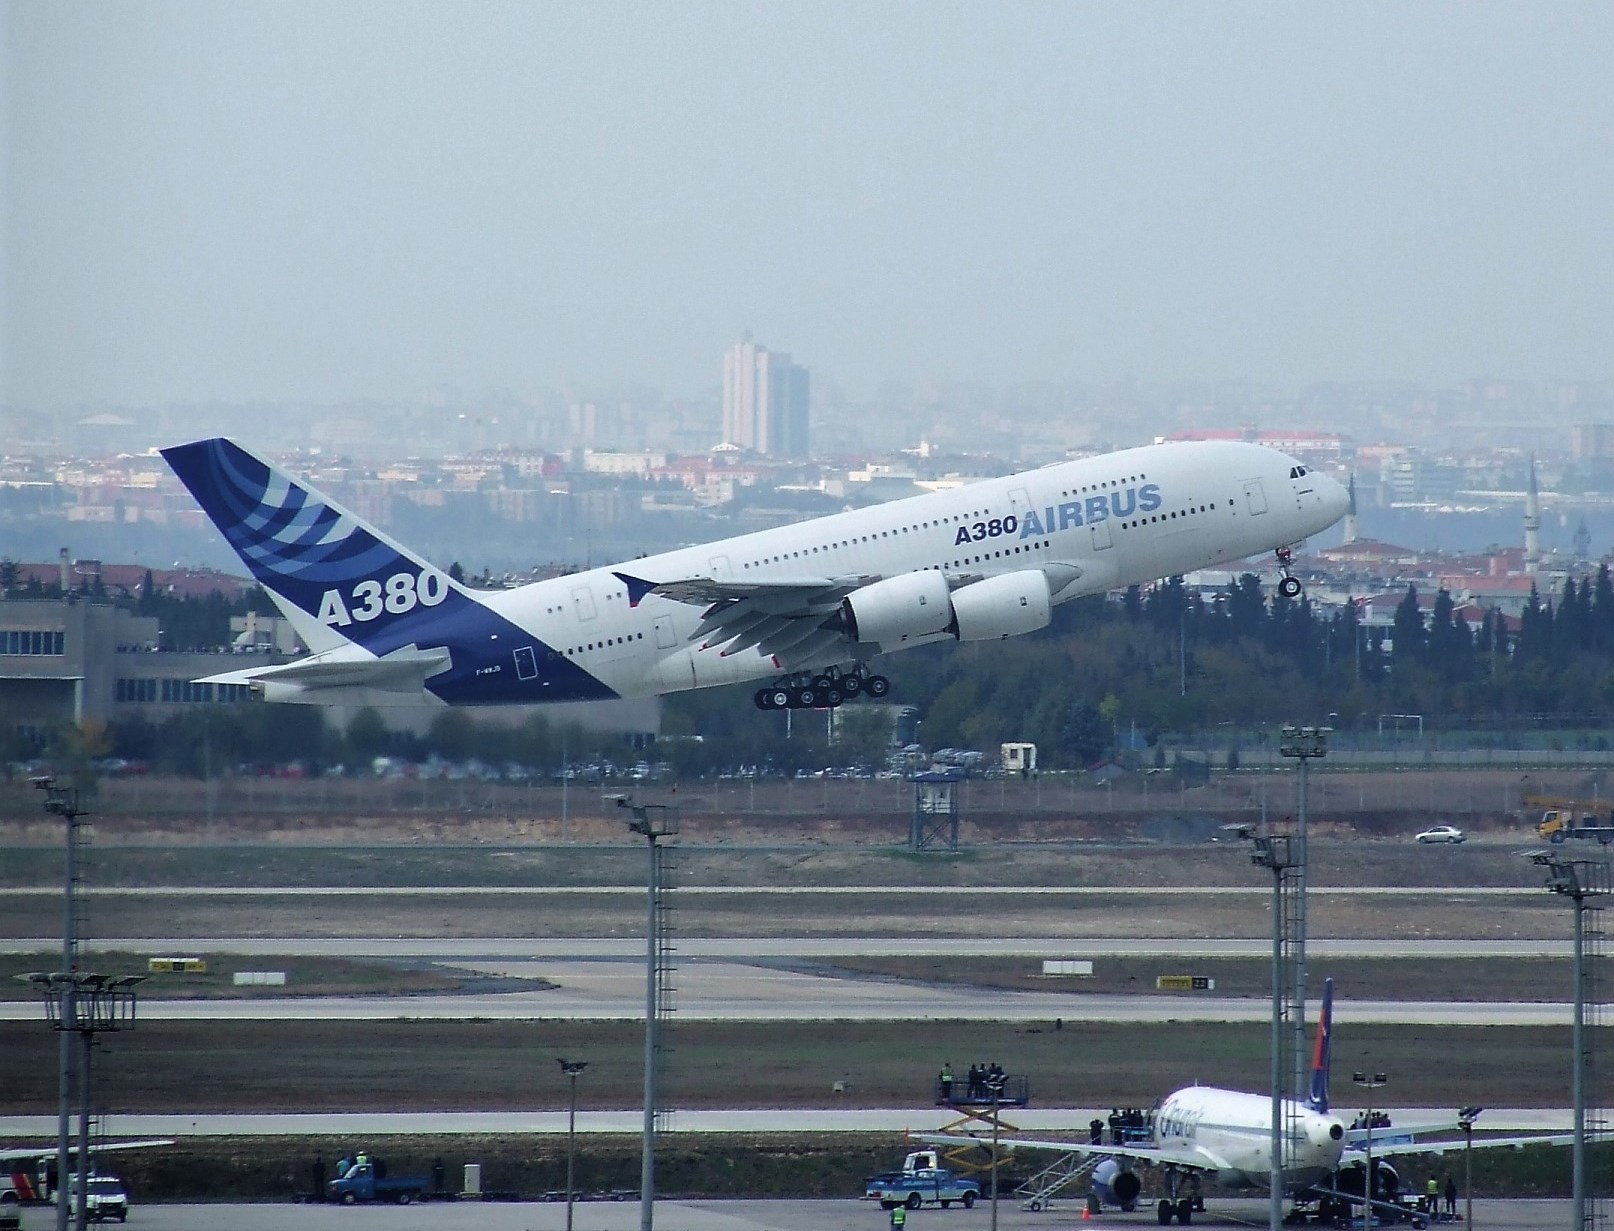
(77, 660)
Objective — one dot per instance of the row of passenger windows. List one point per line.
(1190, 511)
(178, 691)
(956, 519)
(1105, 486)
(600, 645)
(32, 641)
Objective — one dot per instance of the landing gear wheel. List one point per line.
(832, 697)
(804, 698)
(877, 686)
(1185, 1211)
(1092, 1204)
(1289, 587)
(823, 683)
(764, 699)
(851, 685)
(1164, 1212)
(779, 698)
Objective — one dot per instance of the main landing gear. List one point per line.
(1289, 586)
(827, 689)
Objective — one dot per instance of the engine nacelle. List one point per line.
(1113, 1185)
(898, 609)
(1004, 606)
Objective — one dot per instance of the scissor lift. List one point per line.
(980, 1119)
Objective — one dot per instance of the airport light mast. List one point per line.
(1584, 882)
(1369, 1082)
(1302, 744)
(654, 822)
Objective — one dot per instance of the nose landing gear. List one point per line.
(1289, 585)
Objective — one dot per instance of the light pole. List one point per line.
(63, 801)
(1303, 744)
(573, 1070)
(1583, 882)
(1275, 853)
(1465, 1121)
(653, 822)
(1370, 1083)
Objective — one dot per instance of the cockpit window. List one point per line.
(1297, 472)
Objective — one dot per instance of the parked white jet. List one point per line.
(803, 607)
(1203, 1133)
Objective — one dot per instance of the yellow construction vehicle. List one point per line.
(1563, 818)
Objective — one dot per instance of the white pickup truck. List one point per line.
(921, 1182)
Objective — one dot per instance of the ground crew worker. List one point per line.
(1432, 1193)
(899, 1215)
(947, 1083)
(1451, 1197)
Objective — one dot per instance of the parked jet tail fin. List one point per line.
(1319, 1056)
(339, 581)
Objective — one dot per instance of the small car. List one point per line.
(1442, 833)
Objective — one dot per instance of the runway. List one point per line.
(735, 991)
(459, 949)
(690, 891)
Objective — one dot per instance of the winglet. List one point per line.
(637, 587)
(1319, 1056)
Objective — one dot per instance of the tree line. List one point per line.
(1106, 673)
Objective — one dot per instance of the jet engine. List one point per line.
(1114, 1186)
(1003, 606)
(898, 609)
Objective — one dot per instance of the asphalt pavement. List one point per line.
(837, 1215)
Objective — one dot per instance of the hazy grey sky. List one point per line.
(309, 199)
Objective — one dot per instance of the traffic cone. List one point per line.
(1087, 1214)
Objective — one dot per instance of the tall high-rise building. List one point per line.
(765, 399)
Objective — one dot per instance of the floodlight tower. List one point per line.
(1276, 853)
(1302, 744)
(573, 1069)
(1584, 882)
(654, 822)
(63, 801)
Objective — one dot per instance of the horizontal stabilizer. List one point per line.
(404, 670)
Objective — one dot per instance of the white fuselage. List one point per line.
(1236, 1129)
(1124, 518)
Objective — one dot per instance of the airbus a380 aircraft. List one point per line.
(803, 607)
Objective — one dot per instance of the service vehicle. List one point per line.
(1559, 824)
(1443, 833)
(361, 1183)
(921, 1182)
(105, 1198)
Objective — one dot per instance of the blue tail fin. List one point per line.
(338, 580)
(1319, 1056)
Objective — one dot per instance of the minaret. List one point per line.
(1350, 513)
(1532, 522)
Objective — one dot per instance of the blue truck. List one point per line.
(361, 1183)
(921, 1182)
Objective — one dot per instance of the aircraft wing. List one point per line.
(1192, 1158)
(49, 1151)
(1357, 1154)
(791, 619)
